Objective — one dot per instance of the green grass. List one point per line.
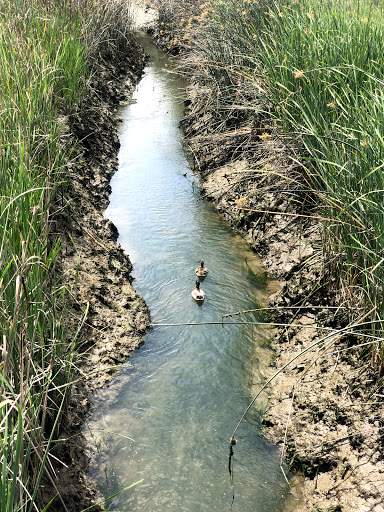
(47, 50)
(319, 67)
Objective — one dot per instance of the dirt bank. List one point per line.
(326, 408)
(94, 267)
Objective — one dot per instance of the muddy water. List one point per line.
(168, 415)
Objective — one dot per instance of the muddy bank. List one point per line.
(326, 408)
(95, 269)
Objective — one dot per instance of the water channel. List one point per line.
(167, 416)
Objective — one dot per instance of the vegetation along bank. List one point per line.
(284, 125)
(65, 66)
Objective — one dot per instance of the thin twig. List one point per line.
(286, 432)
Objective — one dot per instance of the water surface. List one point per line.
(168, 415)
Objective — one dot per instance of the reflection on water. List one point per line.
(168, 415)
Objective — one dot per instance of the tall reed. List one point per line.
(45, 50)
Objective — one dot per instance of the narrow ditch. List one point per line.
(167, 416)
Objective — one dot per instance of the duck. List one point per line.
(197, 294)
(201, 271)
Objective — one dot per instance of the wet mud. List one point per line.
(95, 270)
(326, 408)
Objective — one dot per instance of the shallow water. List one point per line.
(168, 415)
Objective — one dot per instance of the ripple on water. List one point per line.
(168, 415)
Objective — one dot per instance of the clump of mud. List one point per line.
(95, 269)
